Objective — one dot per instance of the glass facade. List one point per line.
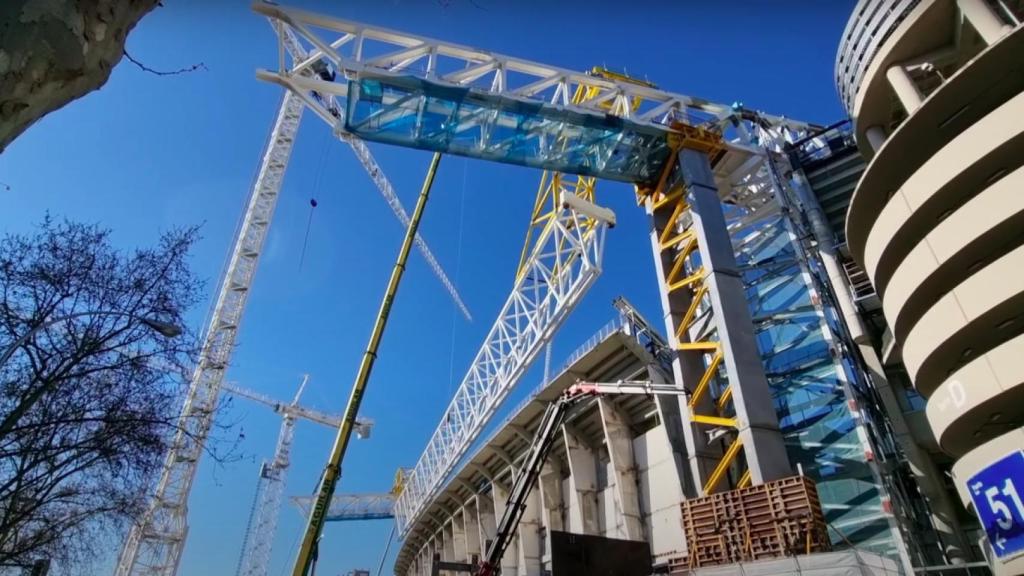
(811, 386)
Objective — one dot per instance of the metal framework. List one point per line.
(417, 92)
(564, 263)
(154, 545)
(254, 559)
(350, 507)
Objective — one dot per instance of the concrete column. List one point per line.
(510, 561)
(983, 19)
(926, 474)
(875, 136)
(528, 537)
(755, 413)
(488, 524)
(906, 90)
(448, 542)
(471, 523)
(687, 368)
(619, 440)
(824, 235)
(672, 426)
(431, 550)
(459, 536)
(583, 479)
(551, 501)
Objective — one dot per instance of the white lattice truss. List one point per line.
(356, 47)
(259, 534)
(564, 263)
(154, 546)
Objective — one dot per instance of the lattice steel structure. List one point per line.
(154, 546)
(351, 507)
(417, 92)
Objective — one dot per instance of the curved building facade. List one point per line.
(935, 89)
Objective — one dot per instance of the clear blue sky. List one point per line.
(146, 153)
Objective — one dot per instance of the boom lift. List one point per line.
(557, 414)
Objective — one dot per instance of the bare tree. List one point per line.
(87, 403)
(55, 51)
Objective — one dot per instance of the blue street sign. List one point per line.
(998, 495)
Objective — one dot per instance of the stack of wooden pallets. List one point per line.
(778, 518)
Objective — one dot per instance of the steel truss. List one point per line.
(155, 544)
(565, 262)
(730, 426)
(349, 507)
(419, 92)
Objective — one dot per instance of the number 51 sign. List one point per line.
(996, 492)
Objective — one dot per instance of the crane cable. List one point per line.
(312, 199)
(458, 268)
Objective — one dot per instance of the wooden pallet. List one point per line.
(778, 518)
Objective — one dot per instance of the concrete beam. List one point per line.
(755, 412)
(619, 440)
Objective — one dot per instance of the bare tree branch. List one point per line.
(144, 68)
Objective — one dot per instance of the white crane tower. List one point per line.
(266, 506)
(153, 547)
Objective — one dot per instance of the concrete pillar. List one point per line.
(619, 440)
(757, 422)
(672, 426)
(824, 235)
(687, 368)
(510, 561)
(583, 479)
(906, 90)
(551, 505)
(488, 524)
(875, 136)
(459, 536)
(471, 523)
(983, 19)
(448, 543)
(926, 474)
(528, 537)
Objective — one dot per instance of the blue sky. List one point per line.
(146, 153)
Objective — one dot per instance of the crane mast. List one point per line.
(154, 545)
(254, 559)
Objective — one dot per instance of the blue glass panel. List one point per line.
(417, 113)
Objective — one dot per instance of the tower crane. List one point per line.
(259, 533)
(153, 546)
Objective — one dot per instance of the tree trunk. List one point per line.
(55, 51)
